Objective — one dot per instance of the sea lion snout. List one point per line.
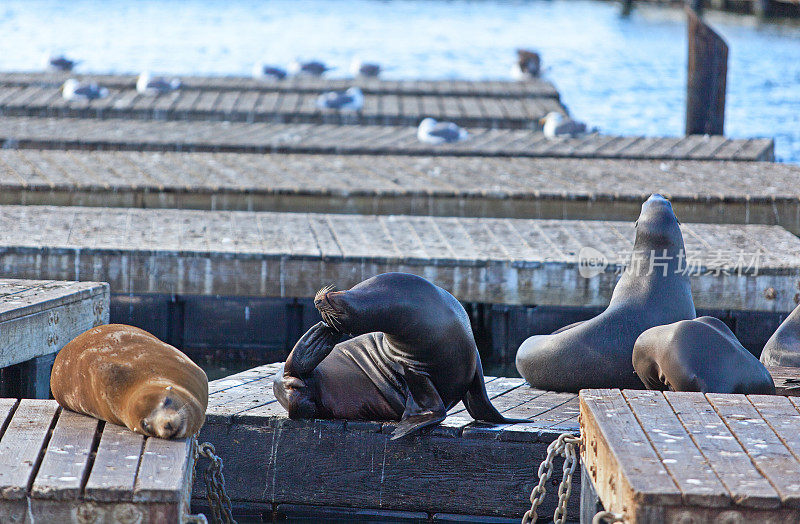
(332, 307)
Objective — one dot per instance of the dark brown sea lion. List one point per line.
(783, 347)
(596, 353)
(126, 376)
(698, 355)
(413, 357)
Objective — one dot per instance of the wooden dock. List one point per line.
(37, 318)
(506, 261)
(700, 191)
(687, 457)
(280, 107)
(140, 135)
(59, 466)
(533, 88)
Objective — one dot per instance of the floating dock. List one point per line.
(237, 137)
(505, 261)
(563, 188)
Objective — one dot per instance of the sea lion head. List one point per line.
(381, 303)
(165, 411)
(657, 226)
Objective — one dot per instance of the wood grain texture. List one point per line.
(21, 446)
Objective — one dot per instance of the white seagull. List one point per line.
(267, 72)
(529, 65)
(432, 132)
(60, 63)
(365, 69)
(148, 85)
(312, 68)
(73, 90)
(555, 124)
(350, 100)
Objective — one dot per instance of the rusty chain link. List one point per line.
(563, 446)
(218, 501)
(607, 516)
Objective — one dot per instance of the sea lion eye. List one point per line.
(145, 425)
(167, 402)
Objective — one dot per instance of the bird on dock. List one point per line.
(268, 72)
(350, 100)
(311, 68)
(148, 85)
(74, 90)
(60, 63)
(432, 132)
(555, 124)
(365, 69)
(529, 65)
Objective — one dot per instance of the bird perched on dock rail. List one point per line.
(311, 68)
(60, 63)
(365, 69)
(432, 132)
(350, 100)
(529, 65)
(74, 90)
(268, 72)
(158, 85)
(555, 124)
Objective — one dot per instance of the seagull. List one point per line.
(432, 132)
(268, 72)
(528, 65)
(555, 124)
(73, 90)
(350, 100)
(61, 63)
(312, 68)
(365, 69)
(158, 85)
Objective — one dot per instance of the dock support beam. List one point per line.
(705, 83)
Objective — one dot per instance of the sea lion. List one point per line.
(126, 376)
(698, 355)
(783, 347)
(652, 291)
(413, 357)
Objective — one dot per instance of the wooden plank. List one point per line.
(783, 418)
(21, 446)
(723, 452)
(65, 463)
(116, 464)
(165, 470)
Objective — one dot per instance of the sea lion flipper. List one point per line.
(424, 406)
(311, 349)
(478, 404)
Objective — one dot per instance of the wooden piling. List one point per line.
(705, 83)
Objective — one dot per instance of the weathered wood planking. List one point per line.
(700, 191)
(508, 261)
(59, 466)
(270, 459)
(535, 88)
(687, 457)
(242, 106)
(38, 317)
(141, 135)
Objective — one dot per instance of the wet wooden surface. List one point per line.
(99, 471)
(239, 137)
(506, 261)
(670, 457)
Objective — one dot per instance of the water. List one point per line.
(623, 75)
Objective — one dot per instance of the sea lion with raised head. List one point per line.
(413, 357)
(652, 291)
(698, 355)
(783, 347)
(126, 376)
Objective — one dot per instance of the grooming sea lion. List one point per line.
(126, 376)
(698, 355)
(413, 357)
(783, 347)
(596, 353)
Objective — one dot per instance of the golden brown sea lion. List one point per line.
(125, 375)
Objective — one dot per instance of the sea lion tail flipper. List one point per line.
(311, 349)
(424, 406)
(478, 404)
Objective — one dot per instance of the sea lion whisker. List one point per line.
(320, 295)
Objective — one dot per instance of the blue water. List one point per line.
(622, 75)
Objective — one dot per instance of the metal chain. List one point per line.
(218, 501)
(608, 516)
(564, 446)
